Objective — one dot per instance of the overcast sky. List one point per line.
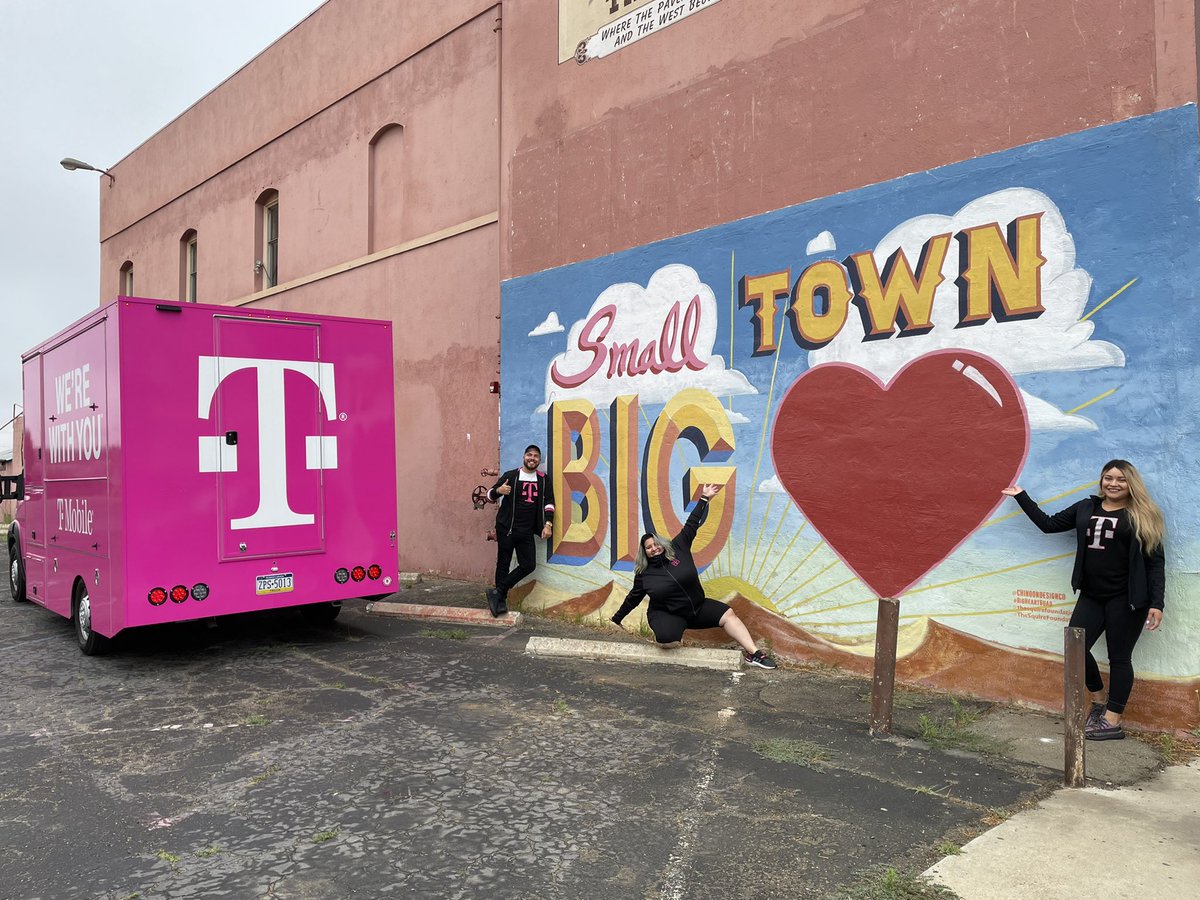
(93, 80)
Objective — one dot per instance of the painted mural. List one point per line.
(864, 373)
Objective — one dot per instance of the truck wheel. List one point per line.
(321, 613)
(16, 572)
(90, 642)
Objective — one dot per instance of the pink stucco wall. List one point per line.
(746, 107)
(300, 119)
(753, 105)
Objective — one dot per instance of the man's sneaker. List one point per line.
(1101, 730)
(502, 607)
(758, 658)
(495, 601)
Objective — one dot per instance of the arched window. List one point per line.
(385, 181)
(266, 260)
(188, 252)
(125, 279)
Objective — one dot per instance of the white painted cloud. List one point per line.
(638, 316)
(770, 486)
(1056, 341)
(1044, 416)
(550, 326)
(822, 243)
(736, 418)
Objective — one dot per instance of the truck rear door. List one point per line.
(271, 393)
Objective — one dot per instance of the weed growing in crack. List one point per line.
(785, 750)
(445, 634)
(955, 732)
(889, 884)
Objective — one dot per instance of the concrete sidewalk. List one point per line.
(1140, 841)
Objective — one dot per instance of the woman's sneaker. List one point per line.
(758, 658)
(1097, 712)
(1101, 730)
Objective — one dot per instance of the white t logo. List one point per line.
(320, 451)
(1103, 527)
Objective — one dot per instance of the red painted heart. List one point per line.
(894, 478)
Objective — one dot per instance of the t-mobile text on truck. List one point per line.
(186, 461)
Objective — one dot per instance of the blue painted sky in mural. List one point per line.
(1128, 196)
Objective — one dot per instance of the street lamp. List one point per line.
(71, 165)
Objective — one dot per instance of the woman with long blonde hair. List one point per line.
(1119, 576)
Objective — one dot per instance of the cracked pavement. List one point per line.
(378, 757)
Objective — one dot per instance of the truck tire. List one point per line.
(321, 613)
(16, 571)
(90, 642)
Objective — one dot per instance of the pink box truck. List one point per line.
(186, 461)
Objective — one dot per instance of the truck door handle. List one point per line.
(231, 438)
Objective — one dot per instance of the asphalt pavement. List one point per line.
(257, 756)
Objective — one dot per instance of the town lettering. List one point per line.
(999, 278)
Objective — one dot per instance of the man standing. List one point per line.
(526, 508)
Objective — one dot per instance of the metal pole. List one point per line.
(883, 686)
(1074, 707)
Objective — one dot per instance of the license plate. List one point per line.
(273, 584)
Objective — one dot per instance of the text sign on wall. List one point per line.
(592, 29)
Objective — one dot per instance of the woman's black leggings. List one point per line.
(1122, 627)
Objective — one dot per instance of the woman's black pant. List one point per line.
(526, 550)
(1122, 627)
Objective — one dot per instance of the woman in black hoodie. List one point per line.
(667, 574)
(1119, 576)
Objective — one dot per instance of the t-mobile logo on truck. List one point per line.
(216, 455)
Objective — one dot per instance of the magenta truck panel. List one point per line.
(186, 461)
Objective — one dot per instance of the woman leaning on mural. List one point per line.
(667, 574)
(1119, 576)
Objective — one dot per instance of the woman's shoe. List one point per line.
(1102, 730)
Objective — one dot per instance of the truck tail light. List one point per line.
(342, 575)
(358, 573)
(157, 596)
(200, 591)
(374, 571)
(179, 593)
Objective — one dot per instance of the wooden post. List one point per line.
(1074, 707)
(883, 686)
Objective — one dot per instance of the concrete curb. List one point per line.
(722, 660)
(459, 615)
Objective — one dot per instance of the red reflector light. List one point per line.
(373, 572)
(157, 596)
(179, 593)
(358, 573)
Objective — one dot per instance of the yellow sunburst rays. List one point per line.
(1017, 512)
(732, 306)
(1109, 299)
(948, 615)
(783, 555)
(1096, 399)
(817, 546)
(786, 509)
(762, 445)
(941, 584)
